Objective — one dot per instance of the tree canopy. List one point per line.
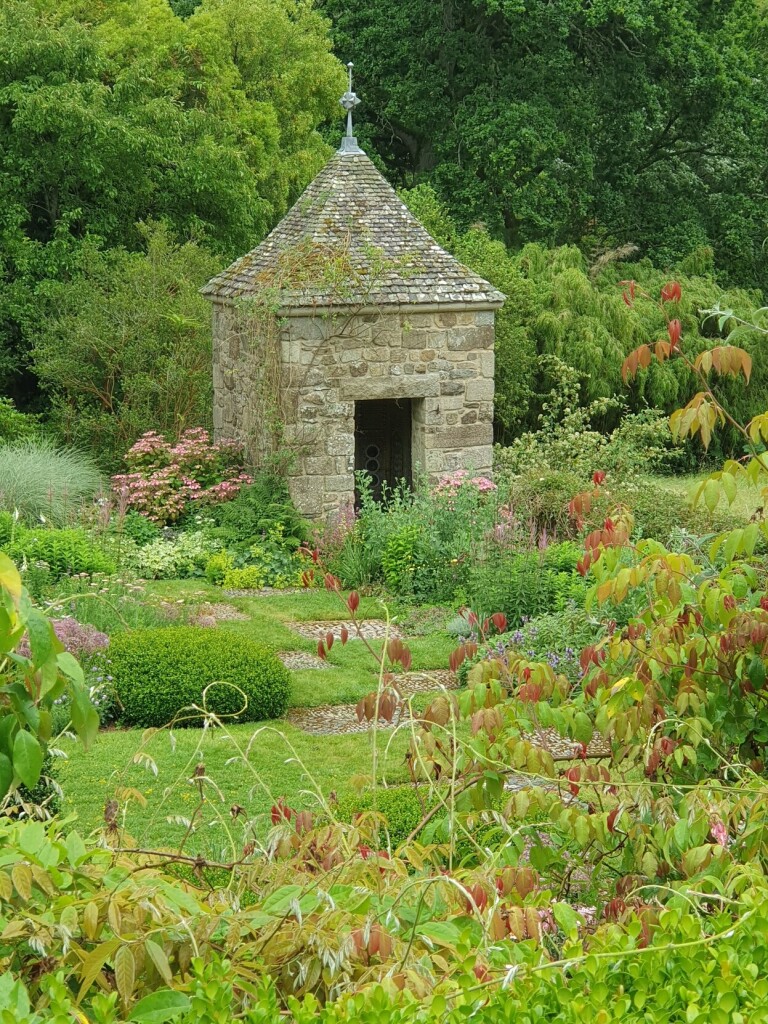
(116, 112)
(562, 121)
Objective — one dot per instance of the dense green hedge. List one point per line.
(158, 672)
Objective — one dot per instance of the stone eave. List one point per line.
(320, 310)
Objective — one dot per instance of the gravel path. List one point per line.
(299, 661)
(336, 719)
(369, 629)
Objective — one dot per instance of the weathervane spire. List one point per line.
(349, 101)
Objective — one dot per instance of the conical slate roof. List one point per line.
(352, 216)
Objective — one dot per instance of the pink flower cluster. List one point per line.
(165, 477)
(460, 478)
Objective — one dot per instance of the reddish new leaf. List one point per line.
(671, 292)
(674, 330)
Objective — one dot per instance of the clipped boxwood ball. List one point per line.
(157, 672)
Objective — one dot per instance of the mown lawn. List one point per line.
(747, 498)
(282, 762)
(249, 766)
(352, 670)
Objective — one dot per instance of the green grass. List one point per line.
(745, 503)
(283, 761)
(352, 671)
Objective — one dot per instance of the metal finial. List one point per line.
(349, 101)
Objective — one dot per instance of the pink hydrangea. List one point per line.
(164, 478)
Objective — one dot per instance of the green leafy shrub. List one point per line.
(659, 510)
(541, 498)
(398, 561)
(127, 347)
(259, 509)
(138, 528)
(527, 584)
(556, 638)
(401, 809)
(158, 672)
(7, 528)
(250, 577)
(45, 482)
(643, 442)
(15, 425)
(35, 671)
(186, 555)
(420, 543)
(217, 566)
(272, 561)
(65, 552)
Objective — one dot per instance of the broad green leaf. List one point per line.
(281, 901)
(13, 997)
(70, 667)
(125, 972)
(85, 717)
(751, 534)
(42, 639)
(8, 727)
(27, 758)
(76, 850)
(729, 486)
(156, 954)
(581, 830)
(756, 672)
(443, 933)
(680, 833)
(6, 775)
(582, 727)
(567, 918)
(159, 1006)
(732, 544)
(45, 729)
(10, 579)
(711, 494)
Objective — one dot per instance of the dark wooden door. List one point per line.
(383, 442)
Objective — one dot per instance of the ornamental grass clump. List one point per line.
(160, 674)
(45, 483)
(164, 478)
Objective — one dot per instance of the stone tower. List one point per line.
(349, 340)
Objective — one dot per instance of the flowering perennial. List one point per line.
(164, 478)
(80, 640)
(460, 478)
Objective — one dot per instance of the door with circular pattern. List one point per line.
(383, 442)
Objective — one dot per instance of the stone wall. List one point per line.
(441, 359)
